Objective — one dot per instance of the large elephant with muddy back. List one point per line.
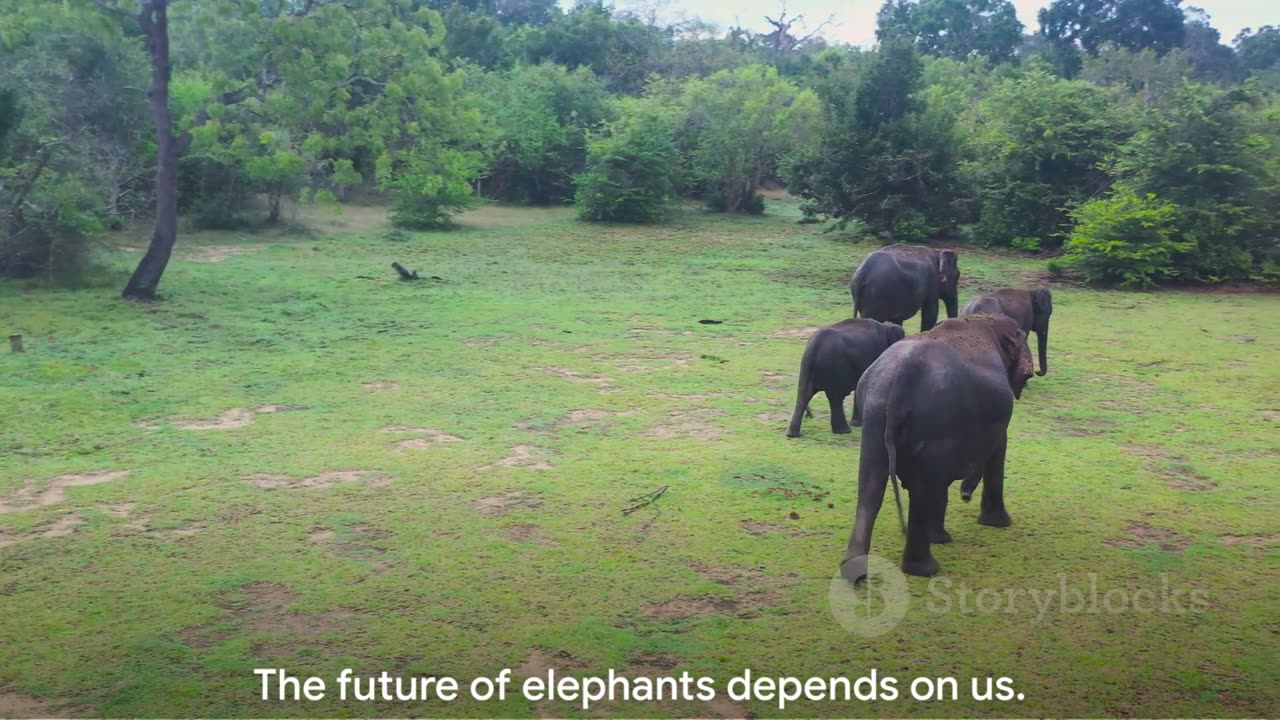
(894, 283)
(934, 409)
(1029, 308)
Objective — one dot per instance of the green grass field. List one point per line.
(298, 461)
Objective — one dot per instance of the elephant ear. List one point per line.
(1017, 359)
(1041, 303)
(894, 333)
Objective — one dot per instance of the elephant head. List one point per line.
(893, 333)
(1041, 309)
(1017, 359)
(948, 280)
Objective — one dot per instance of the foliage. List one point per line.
(630, 173)
(429, 184)
(1213, 154)
(735, 127)
(1071, 26)
(538, 117)
(957, 29)
(1126, 239)
(72, 159)
(1039, 144)
(883, 153)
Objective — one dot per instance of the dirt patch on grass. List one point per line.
(523, 456)
(13, 705)
(1176, 470)
(530, 533)
(380, 385)
(28, 497)
(723, 707)
(503, 504)
(693, 424)
(232, 419)
(650, 665)
(354, 542)
(657, 331)
(62, 527)
(688, 608)
(729, 576)
(795, 332)
(777, 380)
(575, 376)
(758, 528)
(263, 608)
(217, 253)
(1257, 541)
(648, 363)
(1143, 535)
(426, 437)
(268, 481)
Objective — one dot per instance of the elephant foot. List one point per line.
(857, 422)
(994, 518)
(939, 536)
(842, 430)
(928, 567)
(793, 433)
(854, 569)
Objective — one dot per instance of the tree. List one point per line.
(883, 157)
(630, 168)
(957, 29)
(1259, 50)
(539, 116)
(354, 82)
(1039, 149)
(1086, 25)
(736, 126)
(1213, 154)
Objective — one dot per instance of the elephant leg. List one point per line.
(921, 517)
(873, 475)
(993, 512)
(938, 534)
(807, 412)
(839, 425)
(969, 485)
(857, 413)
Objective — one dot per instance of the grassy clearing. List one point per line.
(317, 466)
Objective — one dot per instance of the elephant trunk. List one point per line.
(951, 300)
(1042, 338)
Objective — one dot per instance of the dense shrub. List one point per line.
(1126, 239)
(630, 170)
(429, 186)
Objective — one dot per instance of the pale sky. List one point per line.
(855, 20)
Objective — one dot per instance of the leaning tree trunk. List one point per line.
(154, 19)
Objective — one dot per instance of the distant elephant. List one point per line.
(834, 360)
(894, 283)
(1029, 308)
(935, 408)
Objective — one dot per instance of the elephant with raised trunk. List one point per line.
(834, 360)
(1029, 308)
(935, 408)
(894, 283)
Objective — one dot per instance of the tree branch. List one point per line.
(231, 97)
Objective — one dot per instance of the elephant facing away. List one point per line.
(834, 360)
(935, 408)
(1029, 308)
(894, 283)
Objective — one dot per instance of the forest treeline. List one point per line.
(1125, 136)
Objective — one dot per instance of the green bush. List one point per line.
(912, 227)
(630, 171)
(1126, 239)
(429, 186)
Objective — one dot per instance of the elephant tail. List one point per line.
(892, 421)
(805, 391)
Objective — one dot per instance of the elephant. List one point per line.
(894, 283)
(834, 360)
(935, 408)
(1029, 308)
